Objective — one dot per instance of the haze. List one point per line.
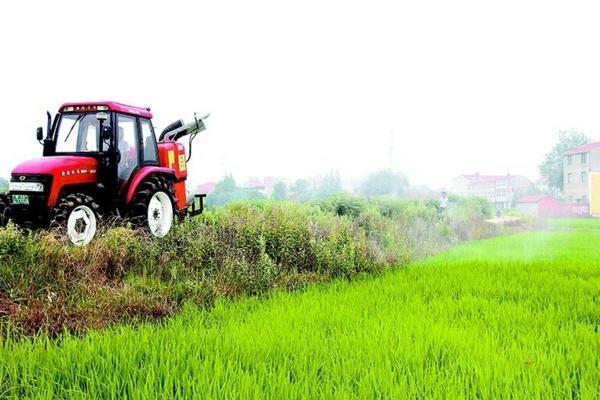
(298, 89)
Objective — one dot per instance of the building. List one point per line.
(546, 206)
(578, 162)
(500, 190)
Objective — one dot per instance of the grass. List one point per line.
(574, 223)
(246, 248)
(508, 317)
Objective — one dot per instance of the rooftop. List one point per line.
(206, 187)
(112, 106)
(583, 149)
(477, 178)
(533, 199)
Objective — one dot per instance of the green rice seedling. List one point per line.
(510, 317)
(573, 223)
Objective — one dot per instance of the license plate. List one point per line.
(20, 199)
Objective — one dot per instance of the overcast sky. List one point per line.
(300, 88)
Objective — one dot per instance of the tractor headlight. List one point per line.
(26, 187)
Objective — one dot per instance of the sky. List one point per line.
(297, 89)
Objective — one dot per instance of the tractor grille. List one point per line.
(36, 212)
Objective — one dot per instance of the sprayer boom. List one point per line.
(179, 129)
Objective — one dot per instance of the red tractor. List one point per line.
(100, 159)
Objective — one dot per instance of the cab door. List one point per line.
(128, 157)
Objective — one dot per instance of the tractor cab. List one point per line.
(120, 138)
(102, 158)
(94, 147)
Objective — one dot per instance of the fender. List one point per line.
(142, 174)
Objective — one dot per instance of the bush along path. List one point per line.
(242, 249)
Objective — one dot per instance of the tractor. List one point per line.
(102, 159)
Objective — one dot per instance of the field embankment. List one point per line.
(510, 317)
(242, 249)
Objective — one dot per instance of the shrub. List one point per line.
(243, 248)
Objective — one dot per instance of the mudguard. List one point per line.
(142, 174)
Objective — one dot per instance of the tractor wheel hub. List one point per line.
(160, 214)
(81, 225)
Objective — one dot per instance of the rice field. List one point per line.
(509, 317)
(574, 223)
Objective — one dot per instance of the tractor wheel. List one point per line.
(152, 207)
(4, 209)
(78, 214)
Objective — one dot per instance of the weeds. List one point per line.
(246, 248)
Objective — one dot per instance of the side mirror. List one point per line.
(106, 133)
(40, 134)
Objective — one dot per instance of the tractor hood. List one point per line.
(58, 166)
(65, 171)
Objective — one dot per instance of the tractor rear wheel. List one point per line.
(4, 209)
(152, 206)
(77, 213)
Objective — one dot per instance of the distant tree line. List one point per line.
(384, 182)
(380, 183)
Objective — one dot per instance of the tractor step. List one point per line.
(197, 205)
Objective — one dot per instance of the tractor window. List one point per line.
(90, 139)
(127, 145)
(78, 133)
(148, 141)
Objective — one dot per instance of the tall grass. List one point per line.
(509, 317)
(245, 248)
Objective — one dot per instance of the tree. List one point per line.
(224, 191)
(332, 184)
(552, 166)
(227, 190)
(384, 182)
(279, 191)
(300, 190)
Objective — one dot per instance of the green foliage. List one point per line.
(512, 317)
(466, 218)
(343, 205)
(243, 248)
(279, 191)
(384, 182)
(552, 166)
(227, 191)
(330, 186)
(479, 206)
(300, 190)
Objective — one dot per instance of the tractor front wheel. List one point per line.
(4, 209)
(152, 206)
(78, 214)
